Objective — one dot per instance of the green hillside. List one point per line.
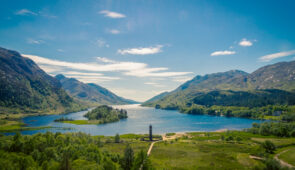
(269, 85)
(90, 92)
(25, 88)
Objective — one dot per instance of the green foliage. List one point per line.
(272, 164)
(117, 138)
(106, 114)
(25, 88)
(142, 160)
(269, 146)
(54, 151)
(281, 129)
(128, 159)
(287, 113)
(269, 85)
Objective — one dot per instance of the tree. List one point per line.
(65, 163)
(109, 165)
(139, 159)
(117, 138)
(128, 158)
(230, 138)
(272, 164)
(268, 146)
(17, 143)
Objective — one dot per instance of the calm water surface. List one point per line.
(139, 118)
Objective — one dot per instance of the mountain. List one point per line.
(90, 92)
(226, 87)
(157, 97)
(25, 88)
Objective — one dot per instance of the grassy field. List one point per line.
(216, 150)
(279, 142)
(80, 122)
(289, 155)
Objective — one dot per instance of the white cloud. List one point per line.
(112, 14)
(245, 43)
(105, 60)
(50, 68)
(127, 68)
(32, 41)
(102, 43)
(82, 73)
(47, 15)
(93, 79)
(150, 73)
(121, 66)
(60, 50)
(270, 57)
(114, 31)
(141, 50)
(25, 12)
(217, 53)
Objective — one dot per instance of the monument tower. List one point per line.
(151, 133)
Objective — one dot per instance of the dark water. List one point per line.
(139, 119)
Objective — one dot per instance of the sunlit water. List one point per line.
(138, 121)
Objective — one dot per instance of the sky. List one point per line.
(140, 48)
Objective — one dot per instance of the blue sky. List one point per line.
(140, 48)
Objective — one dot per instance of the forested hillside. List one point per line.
(269, 85)
(25, 88)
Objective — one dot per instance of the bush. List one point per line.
(269, 146)
(272, 164)
(230, 138)
(117, 138)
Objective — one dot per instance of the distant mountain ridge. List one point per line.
(24, 87)
(280, 76)
(91, 92)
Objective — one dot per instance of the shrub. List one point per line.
(268, 146)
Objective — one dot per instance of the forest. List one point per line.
(68, 151)
(106, 114)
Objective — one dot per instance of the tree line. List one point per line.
(65, 152)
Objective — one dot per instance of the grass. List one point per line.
(272, 117)
(18, 113)
(289, 156)
(202, 155)
(81, 122)
(279, 142)
(119, 147)
(13, 126)
(199, 150)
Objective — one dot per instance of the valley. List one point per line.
(224, 120)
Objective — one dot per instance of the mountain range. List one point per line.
(90, 92)
(25, 88)
(272, 84)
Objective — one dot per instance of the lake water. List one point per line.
(138, 121)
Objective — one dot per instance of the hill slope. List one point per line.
(24, 87)
(90, 92)
(199, 90)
